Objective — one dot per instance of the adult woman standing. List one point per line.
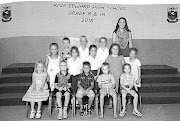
(122, 36)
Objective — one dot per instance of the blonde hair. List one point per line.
(38, 62)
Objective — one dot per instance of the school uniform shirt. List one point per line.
(95, 64)
(83, 53)
(85, 80)
(134, 68)
(74, 67)
(102, 55)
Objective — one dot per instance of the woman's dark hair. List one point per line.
(126, 64)
(92, 46)
(117, 25)
(110, 49)
(74, 48)
(55, 44)
(134, 49)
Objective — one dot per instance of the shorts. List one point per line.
(81, 94)
(110, 91)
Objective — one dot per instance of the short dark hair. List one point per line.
(134, 49)
(103, 38)
(66, 38)
(74, 48)
(86, 63)
(110, 49)
(53, 44)
(92, 46)
(126, 64)
(106, 64)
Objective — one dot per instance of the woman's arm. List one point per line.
(114, 37)
(130, 40)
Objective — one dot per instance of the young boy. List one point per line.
(83, 49)
(102, 51)
(85, 86)
(65, 51)
(62, 86)
(135, 67)
(107, 84)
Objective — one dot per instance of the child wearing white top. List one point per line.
(83, 49)
(74, 67)
(102, 51)
(135, 66)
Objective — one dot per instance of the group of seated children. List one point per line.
(75, 71)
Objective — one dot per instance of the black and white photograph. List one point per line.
(89, 60)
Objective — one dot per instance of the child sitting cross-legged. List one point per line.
(107, 84)
(85, 86)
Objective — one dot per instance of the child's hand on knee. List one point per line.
(60, 89)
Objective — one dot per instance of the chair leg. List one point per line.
(27, 109)
(50, 105)
(118, 104)
(96, 105)
(73, 106)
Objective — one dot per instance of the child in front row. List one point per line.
(62, 87)
(107, 84)
(85, 86)
(127, 83)
(38, 91)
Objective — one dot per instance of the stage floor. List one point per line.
(153, 112)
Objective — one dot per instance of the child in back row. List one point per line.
(102, 51)
(107, 84)
(85, 87)
(38, 91)
(52, 63)
(65, 51)
(127, 84)
(83, 49)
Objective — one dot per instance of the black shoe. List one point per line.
(81, 112)
(89, 112)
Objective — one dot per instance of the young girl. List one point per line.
(122, 36)
(74, 67)
(94, 61)
(127, 83)
(83, 49)
(62, 86)
(52, 63)
(38, 91)
(135, 67)
(116, 61)
(102, 51)
(65, 52)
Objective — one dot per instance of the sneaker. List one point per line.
(59, 117)
(65, 115)
(32, 114)
(81, 112)
(38, 114)
(89, 112)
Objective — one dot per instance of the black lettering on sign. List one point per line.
(90, 20)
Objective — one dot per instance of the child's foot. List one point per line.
(137, 113)
(32, 114)
(89, 112)
(129, 102)
(81, 112)
(101, 116)
(65, 115)
(110, 106)
(115, 116)
(38, 114)
(122, 114)
(59, 117)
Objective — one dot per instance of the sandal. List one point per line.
(32, 114)
(122, 114)
(115, 116)
(38, 114)
(65, 115)
(101, 116)
(137, 113)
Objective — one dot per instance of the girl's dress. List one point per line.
(128, 80)
(53, 69)
(115, 68)
(38, 95)
(123, 40)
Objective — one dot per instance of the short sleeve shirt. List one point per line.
(85, 80)
(102, 55)
(62, 79)
(83, 53)
(95, 64)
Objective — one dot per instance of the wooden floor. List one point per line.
(153, 112)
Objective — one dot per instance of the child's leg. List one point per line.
(32, 106)
(102, 95)
(66, 102)
(135, 100)
(114, 96)
(39, 106)
(79, 96)
(91, 96)
(124, 93)
(58, 98)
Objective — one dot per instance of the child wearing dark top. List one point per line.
(85, 86)
(62, 87)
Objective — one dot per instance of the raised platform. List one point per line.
(160, 84)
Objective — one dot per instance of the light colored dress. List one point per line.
(37, 96)
(53, 69)
(115, 68)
